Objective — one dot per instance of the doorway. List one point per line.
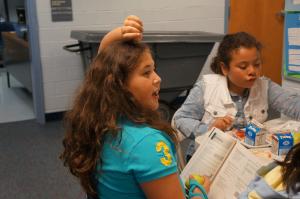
(263, 19)
(20, 98)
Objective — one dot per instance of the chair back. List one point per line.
(5, 27)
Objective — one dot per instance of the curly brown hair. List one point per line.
(291, 169)
(100, 101)
(230, 43)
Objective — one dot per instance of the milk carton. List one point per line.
(282, 143)
(255, 134)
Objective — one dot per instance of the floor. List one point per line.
(15, 103)
(30, 167)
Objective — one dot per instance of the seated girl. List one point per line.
(277, 180)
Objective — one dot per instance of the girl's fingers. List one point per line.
(135, 36)
(223, 122)
(129, 29)
(228, 120)
(206, 183)
(129, 32)
(134, 18)
(136, 23)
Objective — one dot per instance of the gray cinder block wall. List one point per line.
(63, 71)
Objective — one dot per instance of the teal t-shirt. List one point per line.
(140, 154)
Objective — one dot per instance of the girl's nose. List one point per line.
(252, 70)
(157, 79)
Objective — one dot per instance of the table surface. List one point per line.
(272, 126)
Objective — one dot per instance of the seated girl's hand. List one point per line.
(132, 28)
(222, 123)
(205, 184)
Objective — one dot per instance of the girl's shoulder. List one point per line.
(138, 132)
(210, 77)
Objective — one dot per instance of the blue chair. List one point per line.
(4, 27)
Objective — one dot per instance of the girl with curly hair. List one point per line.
(115, 141)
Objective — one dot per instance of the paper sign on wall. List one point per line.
(296, 2)
(61, 10)
(292, 41)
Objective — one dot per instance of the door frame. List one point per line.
(226, 15)
(36, 64)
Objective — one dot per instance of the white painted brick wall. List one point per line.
(63, 71)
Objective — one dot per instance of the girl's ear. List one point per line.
(224, 68)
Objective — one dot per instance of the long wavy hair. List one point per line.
(291, 169)
(100, 101)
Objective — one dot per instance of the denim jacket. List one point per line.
(218, 101)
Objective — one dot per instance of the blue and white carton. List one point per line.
(255, 134)
(282, 143)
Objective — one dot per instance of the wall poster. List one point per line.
(61, 10)
(292, 45)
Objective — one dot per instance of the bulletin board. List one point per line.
(292, 45)
(292, 5)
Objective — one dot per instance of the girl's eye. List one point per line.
(243, 67)
(147, 73)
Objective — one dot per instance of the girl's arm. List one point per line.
(169, 187)
(164, 188)
(132, 29)
(187, 118)
(284, 101)
(153, 161)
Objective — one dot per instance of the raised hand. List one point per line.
(132, 28)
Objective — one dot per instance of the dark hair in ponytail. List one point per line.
(230, 43)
